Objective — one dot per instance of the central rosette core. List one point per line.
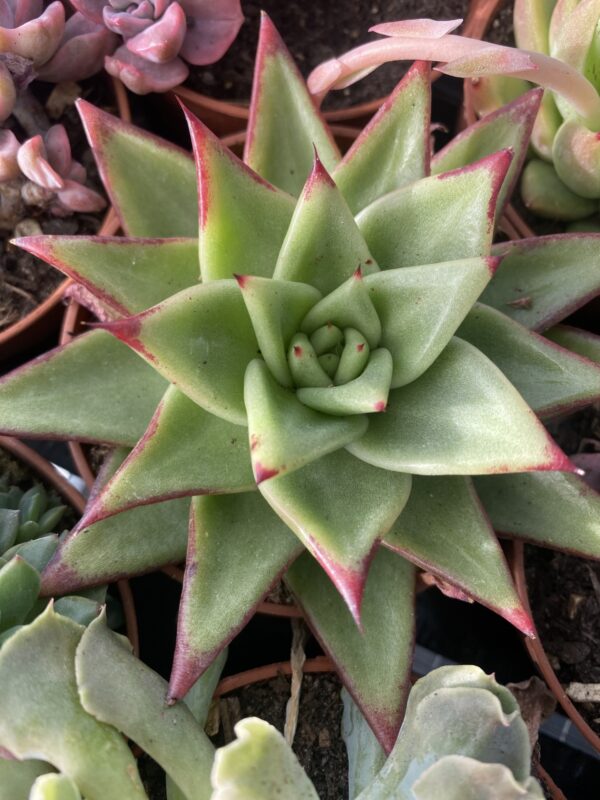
(329, 357)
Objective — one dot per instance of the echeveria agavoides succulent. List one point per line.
(349, 363)
(462, 730)
(160, 36)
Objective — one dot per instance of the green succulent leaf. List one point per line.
(424, 223)
(340, 508)
(36, 552)
(118, 689)
(550, 508)
(550, 379)
(408, 299)
(9, 526)
(531, 22)
(201, 339)
(38, 695)
(373, 662)
(17, 777)
(543, 280)
(19, 587)
(243, 219)
(123, 154)
(461, 417)
(548, 197)
(583, 343)
(365, 754)
(463, 778)
(443, 529)
(323, 245)
(259, 765)
(284, 126)
(223, 581)
(100, 406)
(284, 433)
(54, 787)
(509, 126)
(128, 275)
(397, 137)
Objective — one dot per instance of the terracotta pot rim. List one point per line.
(268, 671)
(538, 654)
(38, 464)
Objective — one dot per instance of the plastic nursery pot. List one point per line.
(535, 648)
(46, 472)
(44, 320)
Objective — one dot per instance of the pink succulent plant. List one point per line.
(159, 36)
(45, 161)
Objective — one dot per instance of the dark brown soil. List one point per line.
(501, 30)
(26, 281)
(318, 743)
(315, 32)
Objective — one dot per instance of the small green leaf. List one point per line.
(37, 552)
(459, 777)
(17, 777)
(54, 787)
(80, 609)
(9, 525)
(365, 754)
(547, 196)
(583, 343)
(19, 587)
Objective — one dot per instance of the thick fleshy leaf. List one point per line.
(509, 126)
(444, 530)
(276, 309)
(123, 153)
(201, 339)
(374, 662)
(117, 688)
(461, 417)
(397, 136)
(457, 777)
(259, 765)
(285, 434)
(365, 754)
(340, 508)
(224, 582)
(408, 299)
(185, 451)
(323, 246)
(583, 343)
(19, 587)
(243, 218)
(127, 275)
(17, 777)
(550, 509)
(545, 279)
(129, 543)
(38, 695)
(284, 126)
(366, 394)
(550, 379)
(426, 222)
(54, 787)
(99, 406)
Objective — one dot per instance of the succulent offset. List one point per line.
(462, 731)
(350, 364)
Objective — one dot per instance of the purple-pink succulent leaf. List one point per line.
(124, 24)
(38, 38)
(581, 342)
(323, 246)
(446, 510)
(407, 299)
(161, 42)
(212, 27)
(123, 153)
(552, 509)
(80, 198)
(240, 213)
(280, 103)
(434, 210)
(142, 76)
(102, 407)
(550, 379)
(127, 275)
(573, 31)
(340, 508)
(9, 147)
(399, 134)
(58, 150)
(77, 172)
(32, 158)
(544, 279)
(507, 61)
(419, 28)
(23, 10)
(80, 294)
(201, 339)
(509, 126)
(113, 548)
(373, 662)
(427, 431)
(81, 51)
(8, 93)
(285, 434)
(92, 9)
(224, 582)
(172, 437)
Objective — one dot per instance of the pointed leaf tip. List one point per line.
(522, 621)
(318, 176)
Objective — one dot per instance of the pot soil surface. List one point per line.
(315, 32)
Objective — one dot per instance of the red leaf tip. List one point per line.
(493, 262)
(522, 621)
(380, 406)
(242, 280)
(262, 473)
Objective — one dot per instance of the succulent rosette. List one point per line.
(328, 355)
